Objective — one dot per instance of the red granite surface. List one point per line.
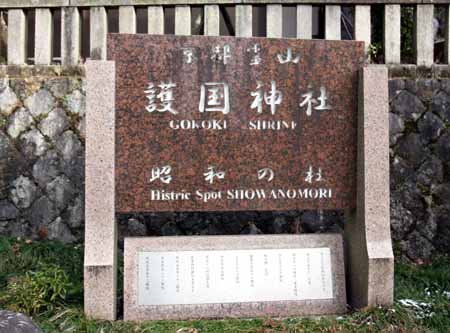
(144, 140)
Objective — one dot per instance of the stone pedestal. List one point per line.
(368, 246)
(100, 257)
(201, 246)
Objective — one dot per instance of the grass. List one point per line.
(421, 293)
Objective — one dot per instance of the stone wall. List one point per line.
(420, 165)
(42, 168)
(42, 153)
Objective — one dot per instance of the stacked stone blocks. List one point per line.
(420, 165)
(42, 155)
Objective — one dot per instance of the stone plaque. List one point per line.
(202, 277)
(224, 123)
(233, 276)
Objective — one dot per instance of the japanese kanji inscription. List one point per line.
(221, 123)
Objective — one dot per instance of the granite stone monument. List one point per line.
(234, 124)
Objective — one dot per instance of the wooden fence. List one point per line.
(71, 22)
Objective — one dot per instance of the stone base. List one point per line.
(100, 292)
(134, 311)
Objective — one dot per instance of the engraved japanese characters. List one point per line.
(234, 124)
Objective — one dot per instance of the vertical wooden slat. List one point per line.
(98, 31)
(155, 20)
(304, 21)
(447, 35)
(43, 49)
(392, 34)
(363, 25)
(244, 24)
(424, 35)
(212, 20)
(274, 21)
(332, 22)
(70, 36)
(127, 20)
(17, 37)
(182, 20)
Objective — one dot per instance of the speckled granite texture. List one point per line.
(324, 139)
(42, 168)
(100, 247)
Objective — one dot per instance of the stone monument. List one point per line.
(233, 124)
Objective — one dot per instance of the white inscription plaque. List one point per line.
(229, 276)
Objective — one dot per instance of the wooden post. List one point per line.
(155, 20)
(392, 34)
(332, 22)
(304, 21)
(43, 46)
(212, 20)
(71, 36)
(182, 20)
(447, 35)
(363, 25)
(99, 30)
(244, 24)
(127, 20)
(274, 21)
(17, 37)
(424, 35)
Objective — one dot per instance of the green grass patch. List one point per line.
(44, 280)
(19, 259)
